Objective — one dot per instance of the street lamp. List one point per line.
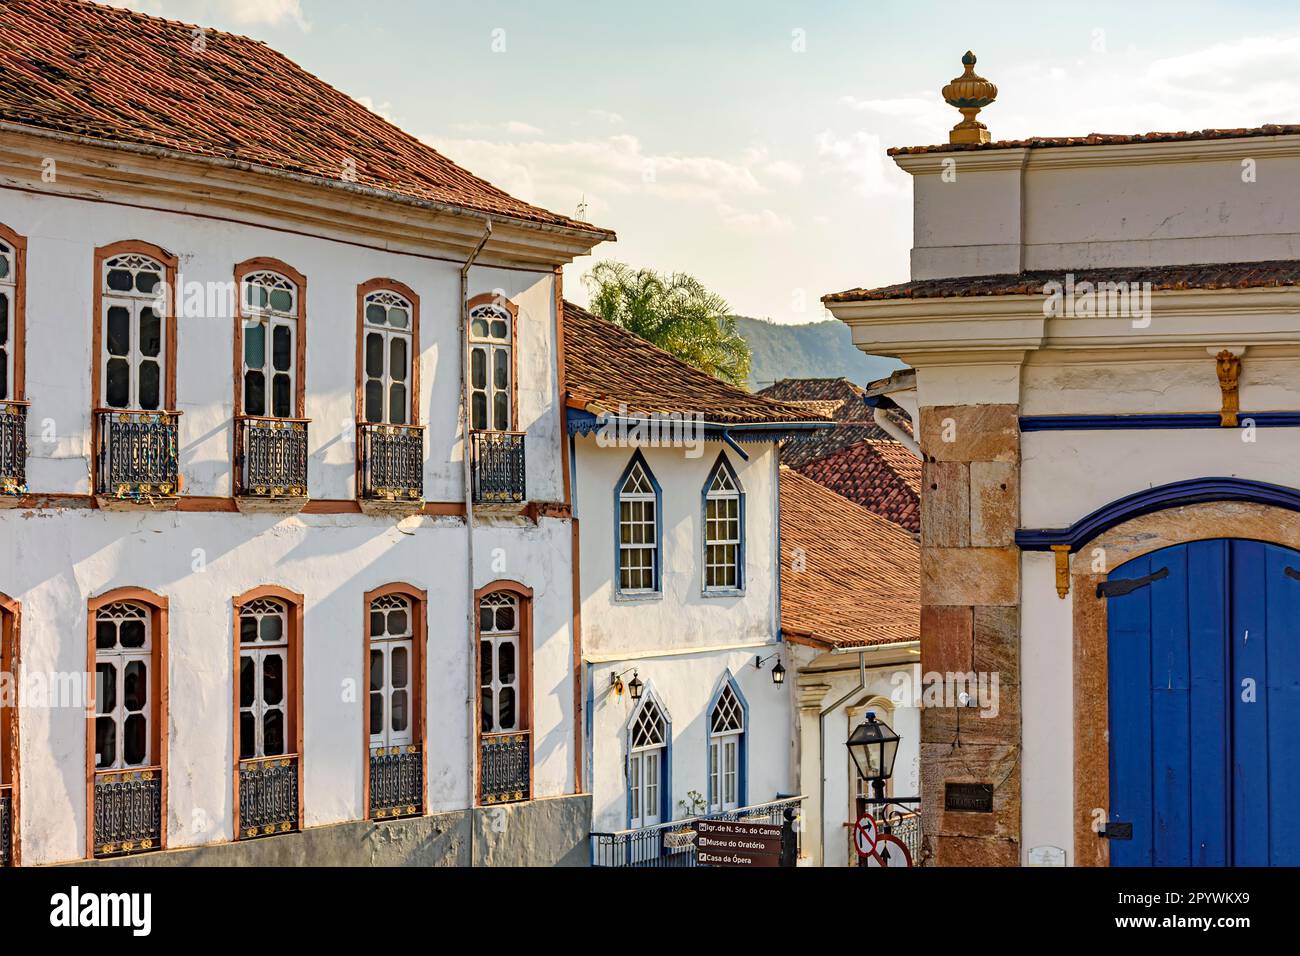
(635, 687)
(873, 747)
(778, 670)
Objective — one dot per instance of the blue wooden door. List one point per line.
(1204, 700)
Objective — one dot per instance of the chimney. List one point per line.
(969, 93)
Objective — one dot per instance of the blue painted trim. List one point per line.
(638, 458)
(739, 589)
(581, 422)
(1176, 494)
(742, 772)
(1075, 423)
(665, 766)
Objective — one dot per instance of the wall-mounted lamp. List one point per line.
(778, 670)
(634, 686)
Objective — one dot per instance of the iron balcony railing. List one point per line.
(6, 827)
(673, 844)
(268, 796)
(396, 782)
(505, 767)
(392, 462)
(135, 454)
(128, 811)
(13, 448)
(901, 817)
(498, 460)
(272, 459)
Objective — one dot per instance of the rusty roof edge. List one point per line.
(371, 192)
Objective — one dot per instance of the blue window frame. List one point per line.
(649, 763)
(638, 530)
(724, 529)
(728, 747)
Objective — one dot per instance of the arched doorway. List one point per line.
(1203, 690)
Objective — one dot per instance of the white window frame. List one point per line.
(257, 652)
(490, 346)
(388, 300)
(9, 286)
(490, 642)
(648, 500)
(725, 739)
(720, 496)
(121, 657)
(270, 319)
(134, 302)
(385, 644)
(647, 759)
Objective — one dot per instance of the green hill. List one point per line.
(812, 350)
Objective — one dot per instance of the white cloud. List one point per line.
(508, 128)
(605, 116)
(860, 159)
(241, 12)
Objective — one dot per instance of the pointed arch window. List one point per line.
(639, 524)
(388, 350)
(724, 529)
(726, 751)
(647, 764)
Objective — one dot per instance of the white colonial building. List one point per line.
(676, 498)
(1105, 332)
(262, 601)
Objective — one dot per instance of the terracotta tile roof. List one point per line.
(881, 476)
(1101, 139)
(848, 578)
(838, 390)
(125, 78)
(1210, 275)
(606, 367)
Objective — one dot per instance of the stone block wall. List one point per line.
(970, 628)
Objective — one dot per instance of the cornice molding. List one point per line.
(240, 192)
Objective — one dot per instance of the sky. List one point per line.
(743, 141)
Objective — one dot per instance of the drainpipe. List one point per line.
(471, 615)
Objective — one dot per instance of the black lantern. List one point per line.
(778, 674)
(635, 687)
(873, 747)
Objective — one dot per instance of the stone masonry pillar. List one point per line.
(970, 632)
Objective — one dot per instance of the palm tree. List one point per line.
(675, 312)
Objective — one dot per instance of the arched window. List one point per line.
(395, 701)
(9, 791)
(505, 689)
(127, 723)
(639, 526)
(726, 750)
(134, 363)
(268, 712)
(724, 529)
(13, 250)
(389, 353)
(491, 363)
(647, 764)
(270, 310)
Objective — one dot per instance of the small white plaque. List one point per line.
(1046, 856)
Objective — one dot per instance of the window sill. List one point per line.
(634, 597)
(722, 592)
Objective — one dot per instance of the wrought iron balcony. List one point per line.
(135, 455)
(13, 448)
(128, 811)
(268, 796)
(6, 828)
(272, 457)
(396, 782)
(498, 460)
(505, 768)
(392, 462)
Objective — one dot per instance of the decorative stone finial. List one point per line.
(969, 93)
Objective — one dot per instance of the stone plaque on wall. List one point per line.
(968, 797)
